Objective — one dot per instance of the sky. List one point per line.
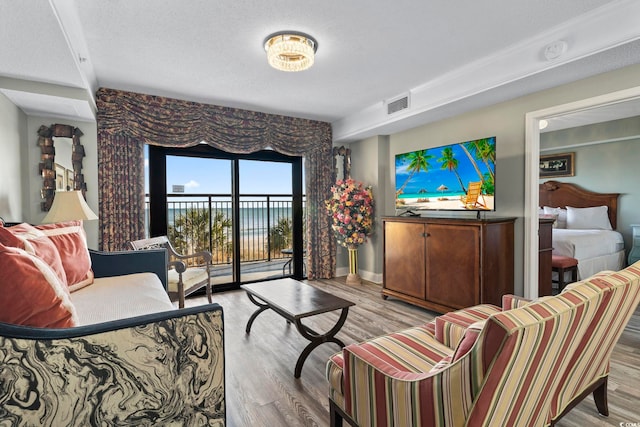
(435, 176)
(213, 176)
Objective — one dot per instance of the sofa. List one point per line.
(526, 363)
(113, 351)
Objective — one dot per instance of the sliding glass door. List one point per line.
(247, 210)
(266, 219)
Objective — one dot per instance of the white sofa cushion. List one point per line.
(192, 276)
(119, 297)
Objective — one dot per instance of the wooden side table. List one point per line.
(634, 254)
(545, 239)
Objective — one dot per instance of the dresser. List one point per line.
(445, 264)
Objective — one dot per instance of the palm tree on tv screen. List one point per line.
(484, 150)
(467, 147)
(418, 160)
(449, 162)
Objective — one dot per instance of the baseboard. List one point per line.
(342, 271)
(366, 275)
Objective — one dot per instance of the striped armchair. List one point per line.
(525, 364)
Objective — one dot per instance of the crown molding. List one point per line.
(604, 28)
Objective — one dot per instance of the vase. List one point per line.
(352, 277)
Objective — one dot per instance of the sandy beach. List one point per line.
(442, 203)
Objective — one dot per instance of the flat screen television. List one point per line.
(450, 177)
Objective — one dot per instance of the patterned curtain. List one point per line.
(127, 121)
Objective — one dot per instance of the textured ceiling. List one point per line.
(441, 53)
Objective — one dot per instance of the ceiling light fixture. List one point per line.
(290, 51)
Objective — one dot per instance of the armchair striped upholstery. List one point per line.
(525, 366)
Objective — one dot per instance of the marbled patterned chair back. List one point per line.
(160, 369)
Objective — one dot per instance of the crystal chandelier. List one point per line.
(290, 51)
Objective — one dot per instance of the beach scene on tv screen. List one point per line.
(452, 177)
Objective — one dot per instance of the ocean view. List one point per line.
(253, 220)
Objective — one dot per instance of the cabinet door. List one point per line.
(404, 258)
(453, 265)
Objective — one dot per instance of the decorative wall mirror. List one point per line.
(63, 172)
(342, 162)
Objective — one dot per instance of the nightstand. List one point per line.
(634, 254)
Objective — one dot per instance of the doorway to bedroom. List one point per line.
(612, 106)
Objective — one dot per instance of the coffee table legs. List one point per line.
(317, 339)
(262, 308)
(308, 333)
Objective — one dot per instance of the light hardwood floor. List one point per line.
(261, 389)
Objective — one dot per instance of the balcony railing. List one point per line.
(204, 222)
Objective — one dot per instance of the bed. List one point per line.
(583, 233)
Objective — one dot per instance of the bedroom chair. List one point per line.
(183, 279)
(470, 200)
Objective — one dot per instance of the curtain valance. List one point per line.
(171, 122)
(127, 120)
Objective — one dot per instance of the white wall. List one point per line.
(506, 121)
(371, 169)
(13, 126)
(20, 181)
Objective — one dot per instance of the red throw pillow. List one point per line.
(31, 294)
(71, 241)
(35, 242)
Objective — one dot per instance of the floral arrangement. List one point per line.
(351, 212)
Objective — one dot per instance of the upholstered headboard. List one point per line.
(561, 194)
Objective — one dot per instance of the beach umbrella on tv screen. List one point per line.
(442, 188)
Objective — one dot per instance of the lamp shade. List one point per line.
(68, 206)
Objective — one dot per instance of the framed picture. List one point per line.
(557, 165)
(61, 177)
(69, 180)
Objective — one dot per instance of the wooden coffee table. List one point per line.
(294, 301)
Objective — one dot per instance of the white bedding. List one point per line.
(588, 246)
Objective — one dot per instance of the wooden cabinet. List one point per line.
(545, 230)
(445, 264)
(407, 275)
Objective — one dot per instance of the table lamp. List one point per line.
(68, 206)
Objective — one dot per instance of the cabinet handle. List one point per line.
(426, 234)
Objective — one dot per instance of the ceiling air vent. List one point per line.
(398, 104)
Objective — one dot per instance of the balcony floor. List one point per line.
(250, 271)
